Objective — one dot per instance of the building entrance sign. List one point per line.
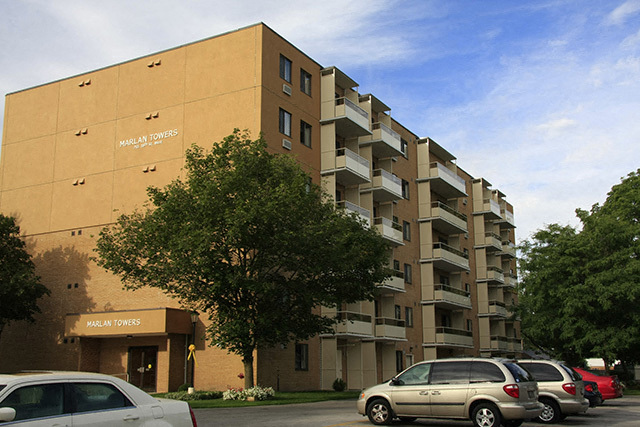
(154, 138)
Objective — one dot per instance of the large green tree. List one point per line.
(580, 290)
(247, 238)
(20, 287)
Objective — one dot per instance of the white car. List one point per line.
(83, 399)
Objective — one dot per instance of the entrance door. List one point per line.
(142, 367)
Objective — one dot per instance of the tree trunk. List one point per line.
(248, 371)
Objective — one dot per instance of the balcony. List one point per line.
(446, 219)
(490, 241)
(451, 337)
(491, 274)
(393, 284)
(363, 214)
(489, 208)
(444, 181)
(392, 231)
(508, 249)
(384, 142)
(350, 120)
(389, 329)
(507, 219)
(450, 298)
(514, 344)
(510, 280)
(447, 258)
(349, 167)
(354, 324)
(386, 187)
(499, 343)
(497, 309)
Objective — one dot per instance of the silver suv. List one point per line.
(490, 392)
(561, 389)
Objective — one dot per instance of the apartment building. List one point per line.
(78, 152)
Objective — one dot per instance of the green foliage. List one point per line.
(248, 239)
(580, 291)
(196, 395)
(255, 392)
(20, 287)
(339, 385)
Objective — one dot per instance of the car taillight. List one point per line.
(569, 388)
(588, 387)
(512, 390)
(193, 417)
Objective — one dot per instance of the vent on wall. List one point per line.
(286, 144)
(287, 89)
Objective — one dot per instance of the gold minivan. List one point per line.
(490, 392)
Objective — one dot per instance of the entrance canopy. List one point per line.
(153, 321)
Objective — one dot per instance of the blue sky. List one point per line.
(540, 98)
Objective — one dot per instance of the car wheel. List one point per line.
(512, 423)
(486, 415)
(551, 412)
(407, 419)
(379, 412)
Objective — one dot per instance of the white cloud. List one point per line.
(621, 13)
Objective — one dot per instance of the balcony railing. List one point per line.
(499, 342)
(389, 229)
(353, 323)
(453, 337)
(349, 167)
(387, 327)
(363, 213)
(385, 142)
(497, 308)
(395, 283)
(386, 186)
(489, 208)
(507, 220)
(446, 219)
(508, 249)
(350, 120)
(451, 298)
(448, 258)
(444, 181)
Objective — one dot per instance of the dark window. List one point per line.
(469, 325)
(398, 312)
(406, 230)
(519, 374)
(450, 373)
(302, 357)
(404, 145)
(408, 315)
(405, 189)
(399, 361)
(485, 372)
(396, 265)
(285, 122)
(543, 371)
(285, 68)
(305, 82)
(305, 133)
(417, 374)
(91, 397)
(407, 273)
(572, 374)
(36, 401)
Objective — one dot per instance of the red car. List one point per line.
(609, 385)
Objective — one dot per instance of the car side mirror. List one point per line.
(395, 381)
(7, 414)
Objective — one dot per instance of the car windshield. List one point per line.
(519, 373)
(573, 374)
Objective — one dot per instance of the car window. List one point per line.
(572, 374)
(485, 372)
(520, 373)
(36, 401)
(417, 374)
(2, 386)
(544, 372)
(97, 397)
(450, 373)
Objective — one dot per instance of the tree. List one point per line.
(580, 291)
(247, 238)
(20, 287)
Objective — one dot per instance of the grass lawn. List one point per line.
(281, 398)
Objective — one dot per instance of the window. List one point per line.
(302, 357)
(407, 273)
(399, 358)
(285, 122)
(285, 68)
(408, 315)
(450, 373)
(36, 401)
(486, 372)
(406, 230)
(305, 133)
(469, 325)
(98, 396)
(396, 265)
(305, 82)
(543, 371)
(418, 374)
(405, 189)
(404, 146)
(398, 311)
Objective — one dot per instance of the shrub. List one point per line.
(184, 387)
(197, 395)
(256, 392)
(339, 385)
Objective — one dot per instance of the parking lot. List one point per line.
(618, 412)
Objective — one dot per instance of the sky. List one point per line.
(541, 98)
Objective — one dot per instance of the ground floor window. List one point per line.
(302, 357)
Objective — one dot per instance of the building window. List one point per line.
(285, 68)
(404, 146)
(399, 358)
(285, 122)
(408, 315)
(396, 265)
(302, 357)
(405, 189)
(398, 312)
(469, 325)
(407, 273)
(406, 230)
(305, 82)
(305, 133)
